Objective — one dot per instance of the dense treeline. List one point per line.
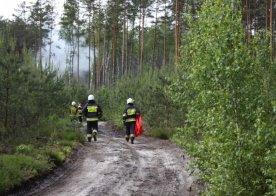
(149, 96)
(27, 92)
(121, 37)
(33, 136)
(228, 90)
(127, 37)
(223, 92)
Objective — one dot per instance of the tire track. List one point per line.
(111, 166)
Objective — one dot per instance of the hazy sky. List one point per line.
(7, 9)
(59, 53)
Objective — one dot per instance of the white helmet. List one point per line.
(129, 100)
(73, 103)
(90, 97)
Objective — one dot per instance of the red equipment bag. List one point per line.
(138, 126)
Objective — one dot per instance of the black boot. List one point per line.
(95, 138)
(89, 139)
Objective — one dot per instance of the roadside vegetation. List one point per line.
(218, 104)
(36, 134)
(228, 89)
(38, 151)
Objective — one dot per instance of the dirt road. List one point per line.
(111, 166)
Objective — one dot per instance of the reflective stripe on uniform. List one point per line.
(91, 119)
(92, 108)
(131, 120)
(95, 131)
(89, 135)
(131, 112)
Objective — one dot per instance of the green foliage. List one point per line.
(55, 155)
(41, 147)
(162, 133)
(42, 92)
(55, 129)
(148, 92)
(33, 102)
(25, 149)
(75, 91)
(226, 90)
(16, 168)
(71, 135)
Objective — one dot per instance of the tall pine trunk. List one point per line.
(177, 29)
(123, 43)
(50, 49)
(104, 59)
(89, 54)
(99, 59)
(126, 56)
(114, 49)
(165, 34)
(154, 38)
(132, 44)
(142, 39)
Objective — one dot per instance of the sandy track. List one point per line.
(111, 166)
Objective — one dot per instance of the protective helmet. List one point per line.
(90, 97)
(129, 100)
(73, 103)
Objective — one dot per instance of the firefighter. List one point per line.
(73, 111)
(93, 113)
(129, 119)
(80, 112)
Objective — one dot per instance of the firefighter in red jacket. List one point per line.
(129, 119)
(93, 113)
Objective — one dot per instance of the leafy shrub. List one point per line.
(69, 143)
(26, 149)
(226, 89)
(71, 135)
(16, 168)
(148, 91)
(67, 150)
(55, 155)
(162, 133)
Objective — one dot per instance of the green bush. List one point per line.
(148, 91)
(162, 133)
(14, 169)
(67, 150)
(226, 89)
(55, 156)
(71, 135)
(26, 149)
(69, 143)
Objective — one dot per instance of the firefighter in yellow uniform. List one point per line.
(80, 112)
(73, 111)
(93, 113)
(129, 119)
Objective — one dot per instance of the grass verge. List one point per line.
(29, 158)
(161, 133)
